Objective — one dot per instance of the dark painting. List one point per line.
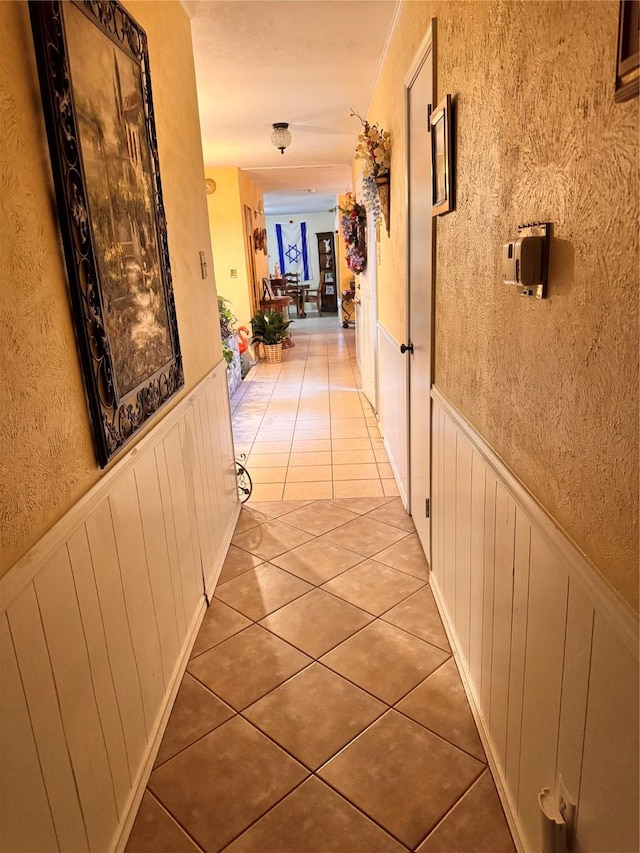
(95, 81)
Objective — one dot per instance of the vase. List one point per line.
(382, 183)
(273, 353)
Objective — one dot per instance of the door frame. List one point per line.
(425, 52)
(371, 273)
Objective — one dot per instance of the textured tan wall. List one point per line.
(552, 385)
(47, 460)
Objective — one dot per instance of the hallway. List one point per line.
(308, 432)
(321, 709)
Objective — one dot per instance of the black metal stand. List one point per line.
(245, 486)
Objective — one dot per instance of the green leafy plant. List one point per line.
(228, 319)
(269, 327)
(228, 329)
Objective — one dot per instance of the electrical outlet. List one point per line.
(567, 808)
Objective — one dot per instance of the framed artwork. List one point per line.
(442, 176)
(628, 54)
(95, 83)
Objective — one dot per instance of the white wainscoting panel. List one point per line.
(96, 625)
(392, 407)
(547, 650)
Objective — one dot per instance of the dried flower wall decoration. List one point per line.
(374, 149)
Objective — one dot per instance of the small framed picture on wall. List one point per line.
(442, 172)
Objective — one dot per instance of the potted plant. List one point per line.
(269, 328)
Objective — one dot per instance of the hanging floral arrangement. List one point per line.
(374, 149)
(353, 224)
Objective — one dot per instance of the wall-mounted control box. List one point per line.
(525, 260)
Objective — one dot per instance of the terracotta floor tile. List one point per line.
(309, 474)
(236, 562)
(358, 489)
(270, 539)
(385, 661)
(419, 615)
(224, 782)
(246, 666)
(440, 704)
(394, 513)
(352, 457)
(385, 472)
(318, 517)
(364, 535)
(268, 475)
(476, 823)
(316, 622)
(275, 509)
(373, 586)
(406, 556)
(319, 490)
(314, 819)
(220, 622)
(266, 492)
(390, 488)
(349, 432)
(301, 459)
(266, 460)
(302, 434)
(196, 712)
(261, 591)
(355, 472)
(314, 714)
(317, 561)
(271, 447)
(315, 445)
(402, 776)
(155, 829)
(361, 505)
(249, 518)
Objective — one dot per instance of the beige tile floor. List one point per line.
(308, 432)
(321, 710)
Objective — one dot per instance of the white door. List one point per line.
(419, 95)
(366, 319)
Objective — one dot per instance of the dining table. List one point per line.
(296, 291)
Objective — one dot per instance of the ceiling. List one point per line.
(306, 62)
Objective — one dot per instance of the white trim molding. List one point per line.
(547, 650)
(101, 614)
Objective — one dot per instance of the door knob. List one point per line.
(406, 348)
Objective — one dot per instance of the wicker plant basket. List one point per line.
(273, 353)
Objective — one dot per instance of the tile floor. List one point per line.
(307, 430)
(321, 710)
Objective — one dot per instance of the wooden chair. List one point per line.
(273, 300)
(293, 289)
(314, 294)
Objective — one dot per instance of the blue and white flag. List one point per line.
(293, 250)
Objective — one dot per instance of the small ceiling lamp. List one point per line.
(281, 137)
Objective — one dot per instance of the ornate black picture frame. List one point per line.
(95, 82)
(442, 165)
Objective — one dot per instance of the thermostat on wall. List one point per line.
(525, 260)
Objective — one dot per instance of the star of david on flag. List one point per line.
(293, 249)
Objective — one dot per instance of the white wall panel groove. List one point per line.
(96, 626)
(548, 652)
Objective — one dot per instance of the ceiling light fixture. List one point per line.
(281, 137)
